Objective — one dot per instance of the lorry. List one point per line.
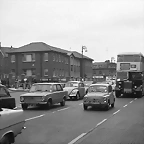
(130, 74)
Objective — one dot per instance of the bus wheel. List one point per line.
(117, 94)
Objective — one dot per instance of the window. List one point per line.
(45, 56)
(71, 67)
(56, 57)
(54, 72)
(29, 72)
(60, 72)
(53, 57)
(59, 88)
(28, 57)
(59, 58)
(12, 58)
(46, 72)
(54, 88)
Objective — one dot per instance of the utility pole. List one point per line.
(84, 48)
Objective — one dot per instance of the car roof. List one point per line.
(104, 84)
(46, 83)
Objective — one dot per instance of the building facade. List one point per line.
(4, 64)
(104, 69)
(44, 61)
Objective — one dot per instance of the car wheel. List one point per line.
(49, 104)
(24, 106)
(6, 140)
(112, 105)
(77, 96)
(85, 107)
(63, 102)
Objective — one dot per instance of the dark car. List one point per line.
(6, 101)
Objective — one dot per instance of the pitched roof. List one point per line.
(131, 53)
(40, 46)
(36, 47)
(5, 50)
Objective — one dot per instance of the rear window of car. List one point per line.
(97, 88)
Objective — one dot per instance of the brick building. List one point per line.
(4, 64)
(44, 61)
(104, 69)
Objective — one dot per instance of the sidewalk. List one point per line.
(126, 127)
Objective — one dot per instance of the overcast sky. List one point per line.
(105, 27)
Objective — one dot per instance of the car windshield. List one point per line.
(71, 84)
(97, 88)
(41, 87)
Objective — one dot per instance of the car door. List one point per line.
(60, 93)
(81, 89)
(54, 94)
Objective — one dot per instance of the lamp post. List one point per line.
(84, 48)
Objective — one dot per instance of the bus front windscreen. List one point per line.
(128, 58)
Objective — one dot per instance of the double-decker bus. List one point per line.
(130, 74)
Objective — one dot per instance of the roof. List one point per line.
(95, 63)
(36, 47)
(5, 50)
(131, 53)
(46, 83)
(104, 84)
(40, 46)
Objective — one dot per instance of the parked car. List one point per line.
(6, 101)
(11, 124)
(100, 95)
(44, 94)
(75, 89)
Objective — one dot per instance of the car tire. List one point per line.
(107, 106)
(85, 107)
(112, 105)
(24, 106)
(63, 102)
(6, 140)
(77, 96)
(49, 104)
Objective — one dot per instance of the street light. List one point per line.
(84, 48)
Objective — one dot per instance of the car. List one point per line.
(75, 89)
(6, 101)
(45, 94)
(99, 95)
(11, 125)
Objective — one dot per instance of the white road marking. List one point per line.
(34, 117)
(125, 105)
(63, 109)
(77, 138)
(80, 103)
(131, 101)
(135, 99)
(101, 122)
(116, 112)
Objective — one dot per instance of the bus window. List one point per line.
(129, 58)
(120, 58)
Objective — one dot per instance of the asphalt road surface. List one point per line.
(70, 124)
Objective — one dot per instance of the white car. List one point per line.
(11, 124)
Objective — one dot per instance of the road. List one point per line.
(65, 125)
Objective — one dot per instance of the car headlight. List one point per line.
(118, 79)
(42, 98)
(105, 99)
(74, 92)
(135, 87)
(21, 98)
